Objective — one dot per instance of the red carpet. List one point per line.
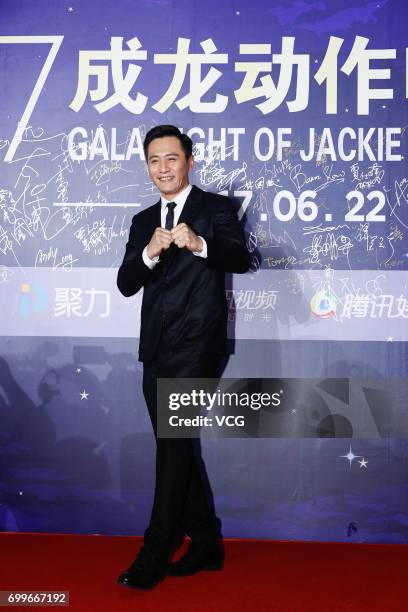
(258, 575)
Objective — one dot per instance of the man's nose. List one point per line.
(163, 165)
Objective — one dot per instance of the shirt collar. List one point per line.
(180, 198)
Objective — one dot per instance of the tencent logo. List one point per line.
(324, 303)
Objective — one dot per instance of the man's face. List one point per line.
(167, 166)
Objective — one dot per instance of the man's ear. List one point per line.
(191, 162)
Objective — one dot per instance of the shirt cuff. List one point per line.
(150, 263)
(202, 253)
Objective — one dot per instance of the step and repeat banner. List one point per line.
(298, 112)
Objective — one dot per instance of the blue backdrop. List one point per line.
(298, 111)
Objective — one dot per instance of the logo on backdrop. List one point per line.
(33, 299)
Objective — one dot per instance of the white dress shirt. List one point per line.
(179, 200)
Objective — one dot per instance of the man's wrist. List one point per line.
(199, 245)
(149, 254)
(150, 262)
(203, 251)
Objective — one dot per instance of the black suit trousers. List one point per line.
(183, 498)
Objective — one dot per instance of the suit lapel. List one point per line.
(154, 217)
(157, 214)
(191, 206)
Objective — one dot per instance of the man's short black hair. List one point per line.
(169, 130)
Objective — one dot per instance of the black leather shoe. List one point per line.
(199, 556)
(146, 570)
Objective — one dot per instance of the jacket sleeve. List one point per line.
(133, 272)
(227, 250)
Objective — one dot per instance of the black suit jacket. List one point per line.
(184, 295)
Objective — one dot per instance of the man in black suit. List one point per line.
(179, 250)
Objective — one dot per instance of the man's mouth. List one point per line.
(165, 178)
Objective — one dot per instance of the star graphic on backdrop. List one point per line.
(78, 370)
(350, 456)
(363, 462)
(390, 339)
(70, 9)
(84, 395)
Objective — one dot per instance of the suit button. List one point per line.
(166, 279)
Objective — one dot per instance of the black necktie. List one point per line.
(170, 215)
